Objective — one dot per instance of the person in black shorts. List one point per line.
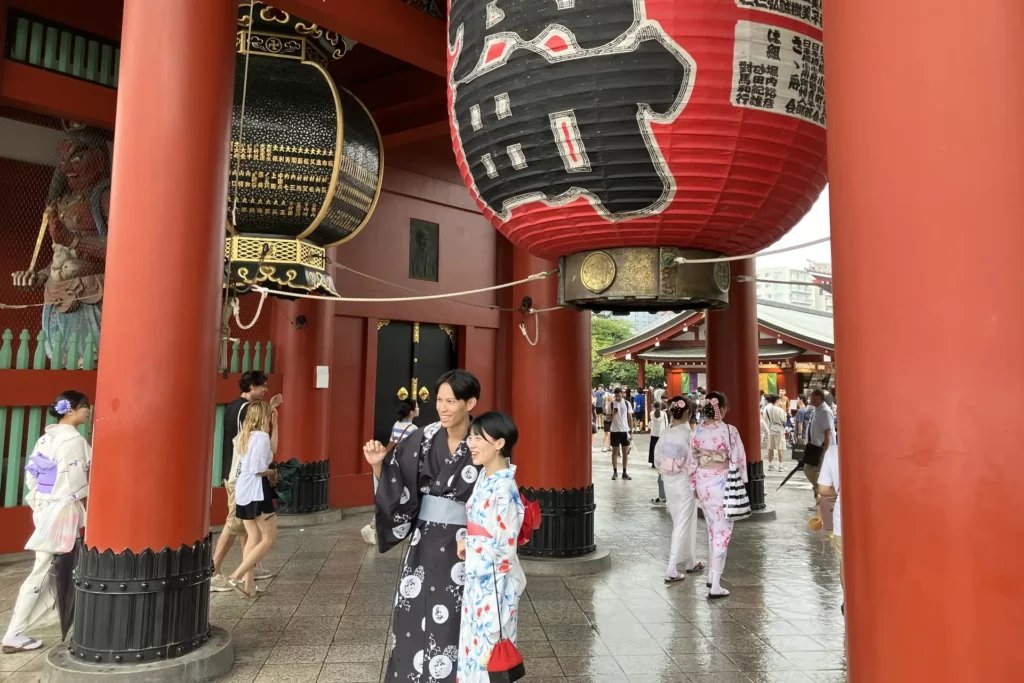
(621, 433)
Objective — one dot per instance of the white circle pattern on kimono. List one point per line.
(402, 530)
(411, 586)
(440, 666)
(417, 662)
(423, 625)
(440, 614)
(469, 474)
(415, 537)
(405, 495)
(461, 534)
(459, 573)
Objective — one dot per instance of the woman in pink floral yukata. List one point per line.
(715, 446)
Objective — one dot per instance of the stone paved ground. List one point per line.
(327, 615)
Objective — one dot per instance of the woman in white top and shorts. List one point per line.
(254, 494)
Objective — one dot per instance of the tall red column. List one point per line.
(150, 487)
(926, 203)
(551, 406)
(304, 340)
(732, 345)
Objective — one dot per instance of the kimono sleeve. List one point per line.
(397, 498)
(503, 517)
(76, 458)
(693, 461)
(737, 454)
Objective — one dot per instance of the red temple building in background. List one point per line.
(796, 349)
(127, 175)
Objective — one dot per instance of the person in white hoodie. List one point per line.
(671, 457)
(57, 478)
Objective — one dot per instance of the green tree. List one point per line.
(607, 332)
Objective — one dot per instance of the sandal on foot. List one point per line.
(239, 585)
(699, 567)
(718, 596)
(674, 579)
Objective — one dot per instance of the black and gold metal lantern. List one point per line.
(306, 156)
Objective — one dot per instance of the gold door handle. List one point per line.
(403, 394)
(424, 393)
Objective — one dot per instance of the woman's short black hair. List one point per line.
(406, 407)
(723, 403)
(253, 378)
(675, 411)
(464, 384)
(773, 398)
(497, 425)
(75, 398)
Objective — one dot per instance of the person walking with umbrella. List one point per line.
(57, 478)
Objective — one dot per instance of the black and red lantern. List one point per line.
(625, 136)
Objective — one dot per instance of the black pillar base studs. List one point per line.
(567, 523)
(137, 608)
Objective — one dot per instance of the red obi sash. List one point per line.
(477, 530)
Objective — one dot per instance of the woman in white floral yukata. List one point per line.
(494, 579)
(715, 446)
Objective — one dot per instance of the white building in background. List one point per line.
(640, 320)
(794, 291)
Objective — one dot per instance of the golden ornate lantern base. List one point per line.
(643, 279)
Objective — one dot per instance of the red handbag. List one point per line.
(506, 664)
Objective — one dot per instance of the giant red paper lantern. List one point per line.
(587, 126)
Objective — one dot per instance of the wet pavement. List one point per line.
(326, 618)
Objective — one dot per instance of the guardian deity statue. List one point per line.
(75, 219)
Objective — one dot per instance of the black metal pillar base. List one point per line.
(133, 609)
(567, 523)
(309, 490)
(755, 485)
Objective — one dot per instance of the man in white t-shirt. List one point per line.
(622, 428)
(828, 490)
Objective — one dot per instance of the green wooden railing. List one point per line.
(48, 45)
(19, 434)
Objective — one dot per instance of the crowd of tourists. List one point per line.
(449, 489)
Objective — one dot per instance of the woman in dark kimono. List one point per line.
(424, 484)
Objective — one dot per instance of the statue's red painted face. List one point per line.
(83, 166)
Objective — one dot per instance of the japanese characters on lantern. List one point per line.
(779, 71)
(523, 90)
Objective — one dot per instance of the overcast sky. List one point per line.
(814, 226)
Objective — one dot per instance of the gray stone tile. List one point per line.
(297, 654)
(289, 673)
(350, 673)
(362, 652)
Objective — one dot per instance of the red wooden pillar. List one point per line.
(303, 341)
(733, 370)
(946, 204)
(554, 451)
(150, 488)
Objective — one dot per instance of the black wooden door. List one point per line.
(410, 359)
(437, 353)
(394, 374)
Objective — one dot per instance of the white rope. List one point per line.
(722, 259)
(430, 297)
(236, 307)
(536, 329)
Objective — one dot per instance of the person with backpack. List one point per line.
(408, 410)
(253, 386)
